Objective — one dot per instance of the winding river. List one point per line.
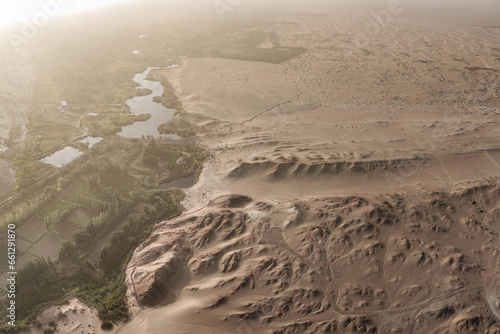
(146, 105)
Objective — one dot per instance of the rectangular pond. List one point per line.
(62, 157)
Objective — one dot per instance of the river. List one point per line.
(146, 105)
(138, 105)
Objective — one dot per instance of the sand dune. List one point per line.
(341, 263)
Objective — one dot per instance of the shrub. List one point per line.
(67, 250)
(107, 325)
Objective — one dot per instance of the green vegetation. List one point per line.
(27, 170)
(179, 163)
(109, 124)
(49, 130)
(94, 196)
(142, 91)
(235, 42)
(23, 210)
(476, 68)
(73, 192)
(106, 325)
(55, 208)
(91, 206)
(31, 270)
(49, 136)
(168, 99)
(367, 52)
(15, 133)
(58, 216)
(101, 285)
(179, 126)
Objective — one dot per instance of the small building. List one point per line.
(64, 103)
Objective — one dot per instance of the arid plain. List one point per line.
(352, 188)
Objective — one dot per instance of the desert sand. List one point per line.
(72, 317)
(353, 188)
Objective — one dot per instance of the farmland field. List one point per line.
(71, 193)
(55, 206)
(48, 246)
(80, 217)
(16, 209)
(67, 228)
(32, 230)
(22, 244)
(50, 130)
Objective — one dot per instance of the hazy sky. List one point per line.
(474, 11)
(485, 12)
(12, 11)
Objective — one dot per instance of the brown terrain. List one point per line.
(351, 189)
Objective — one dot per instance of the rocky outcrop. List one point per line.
(293, 168)
(157, 266)
(396, 263)
(162, 275)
